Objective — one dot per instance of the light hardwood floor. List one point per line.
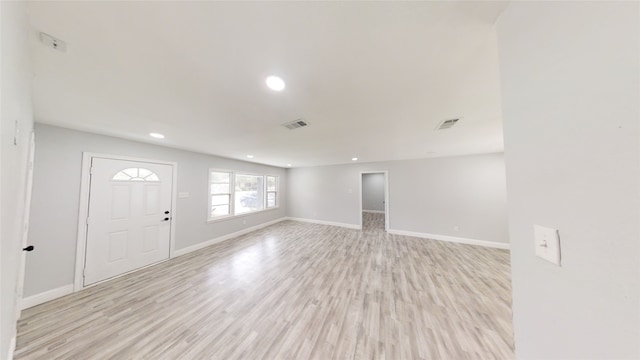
(290, 291)
(372, 221)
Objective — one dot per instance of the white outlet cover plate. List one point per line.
(547, 242)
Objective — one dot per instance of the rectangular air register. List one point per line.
(295, 124)
(447, 124)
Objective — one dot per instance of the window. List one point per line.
(272, 191)
(249, 193)
(232, 193)
(135, 174)
(220, 194)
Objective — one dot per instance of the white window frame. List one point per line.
(266, 191)
(231, 192)
(232, 189)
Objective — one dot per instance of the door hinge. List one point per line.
(84, 272)
(87, 220)
(91, 170)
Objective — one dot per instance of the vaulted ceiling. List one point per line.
(372, 79)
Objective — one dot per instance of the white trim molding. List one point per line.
(192, 248)
(374, 211)
(322, 222)
(12, 347)
(48, 295)
(453, 239)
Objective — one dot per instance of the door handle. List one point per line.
(28, 248)
(165, 219)
(166, 212)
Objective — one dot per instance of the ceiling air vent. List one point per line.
(447, 124)
(295, 124)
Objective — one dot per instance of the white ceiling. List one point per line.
(373, 79)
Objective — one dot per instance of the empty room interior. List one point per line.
(320, 180)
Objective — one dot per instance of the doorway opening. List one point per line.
(374, 200)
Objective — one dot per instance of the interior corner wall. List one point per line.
(570, 79)
(16, 108)
(56, 196)
(373, 192)
(461, 196)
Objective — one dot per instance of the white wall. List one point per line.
(433, 196)
(570, 92)
(16, 105)
(56, 193)
(373, 192)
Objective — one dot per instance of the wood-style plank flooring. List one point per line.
(372, 221)
(290, 291)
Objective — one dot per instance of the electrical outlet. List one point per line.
(547, 242)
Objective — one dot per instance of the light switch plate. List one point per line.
(547, 242)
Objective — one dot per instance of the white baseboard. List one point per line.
(322, 222)
(43, 297)
(373, 211)
(222, 238)
(453, 239)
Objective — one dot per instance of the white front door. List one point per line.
(129, 217)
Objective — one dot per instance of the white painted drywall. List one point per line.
(56, 192)
(433, 196)
(570, 91)
(16, 105)
(373, 192)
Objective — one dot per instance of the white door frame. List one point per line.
(83, 213)
(386, 196)
(25, 223)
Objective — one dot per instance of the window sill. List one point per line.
(231, 217)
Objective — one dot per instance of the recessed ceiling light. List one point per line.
(250, 156)
(289, 165)
(354, 159)
(156, 135)
(275, 83)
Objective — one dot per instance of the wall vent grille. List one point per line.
(295, 124)
(447, 124)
